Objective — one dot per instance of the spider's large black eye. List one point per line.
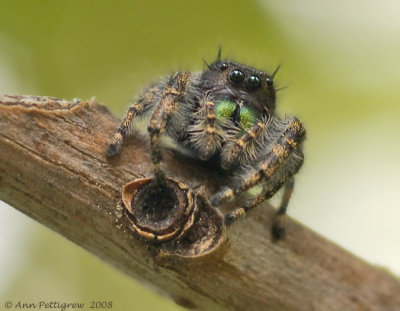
(236, 76)
(223, 66)
(269, 82)
(253, 83)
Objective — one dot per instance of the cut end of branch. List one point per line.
(161, 211)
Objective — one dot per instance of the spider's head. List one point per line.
(240, 92)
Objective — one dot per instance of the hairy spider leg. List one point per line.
(232, 152)
(274, 160)
(206, 134)
(278, 227)
(138, 108)
(211, 134)
(285, 177)
(266, 193)
(158, 122)
(286, 180)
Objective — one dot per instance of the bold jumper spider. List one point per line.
(225, 113)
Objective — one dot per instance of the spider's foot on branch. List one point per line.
(231, 217)
(278, 227)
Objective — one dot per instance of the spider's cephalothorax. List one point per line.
(224, 114)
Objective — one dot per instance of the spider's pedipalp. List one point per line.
(243, 148)
(206, 133)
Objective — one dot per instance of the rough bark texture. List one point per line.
(53, 168)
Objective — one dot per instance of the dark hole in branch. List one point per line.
(155, 203)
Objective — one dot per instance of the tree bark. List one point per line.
(53, 168)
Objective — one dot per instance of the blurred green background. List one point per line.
(341, 65)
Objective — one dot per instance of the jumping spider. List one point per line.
(224, 114)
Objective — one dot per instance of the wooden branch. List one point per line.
(53, 168)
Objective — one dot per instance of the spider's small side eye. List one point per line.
(223, 66)
(236, 76)
(253, 83)
(269, 82)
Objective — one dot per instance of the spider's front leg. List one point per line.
(268, 191)
(140, 106)
(173, 91)
(244, 147)
(277, 168)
